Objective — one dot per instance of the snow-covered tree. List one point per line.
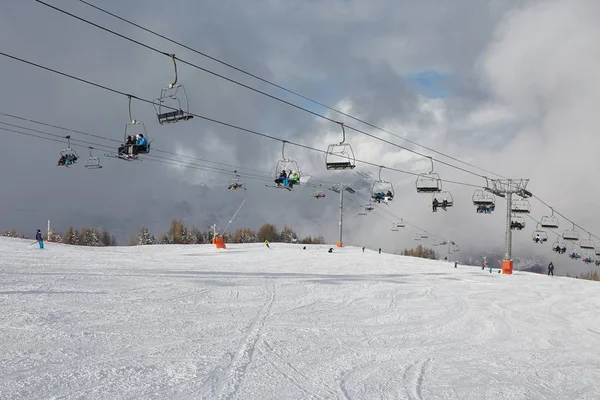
(71, 237)
(145, 237)
(287, 235)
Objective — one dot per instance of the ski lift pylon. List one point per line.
(93, 162)
(172, 105)
(429, 182)
(340, 156)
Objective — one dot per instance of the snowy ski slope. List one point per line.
(194, 322)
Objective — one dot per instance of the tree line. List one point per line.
(422, 252)
(179, 233)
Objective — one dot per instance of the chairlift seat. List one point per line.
(339, 165)
(173, 116)
(521, 207)
(93, 163)
(340, 157)
(549, 222)
(571, 235)
(587, 244)
(429, 183)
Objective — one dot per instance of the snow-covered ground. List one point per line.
(194, 322)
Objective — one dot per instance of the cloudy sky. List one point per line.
(507, 86)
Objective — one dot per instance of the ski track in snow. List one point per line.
(194, 322)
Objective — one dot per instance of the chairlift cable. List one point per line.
(162, 160)
(250, 87)
(211, 119)
(280, 86)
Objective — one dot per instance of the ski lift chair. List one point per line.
(172, 105)
(236, 183)
(401, 224)
(424, 235)
(483, 198)
(68, 155)
(133, 128)
(559, 246)
(318, 194)
(369, 207)
(587, 244)
(287, 165)
(429, 182)
(549, 221)
(441, 196)
(517, 223)
(93, 162)
(417, 237)
(575, 252)
(571, 235)
(539, 236)
(340, 156)
(597, 252)
(382, 187)
(521, 206)
(395, 228)
(484, 201)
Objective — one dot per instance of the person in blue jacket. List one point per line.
(39, 238)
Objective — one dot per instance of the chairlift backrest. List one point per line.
(172, 105)
(429, 183)
(588, 243)
(571, 235)
(483, 198)
(340, 156)
(521, 206)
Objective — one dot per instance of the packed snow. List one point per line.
(195, 322)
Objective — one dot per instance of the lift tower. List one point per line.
(506, 188)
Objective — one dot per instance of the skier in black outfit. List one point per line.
(550, 269)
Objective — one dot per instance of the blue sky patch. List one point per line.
(429, 83)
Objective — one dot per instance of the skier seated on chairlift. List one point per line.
(139, 145)
(378, 196)
(485, 210)
(235, 186)
(124, 148)
(282, 180)
(444, 204)
(588, 260)
(67, 160)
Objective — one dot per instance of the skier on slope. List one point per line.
(550, 269)
(267, 244)
(39, 238)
